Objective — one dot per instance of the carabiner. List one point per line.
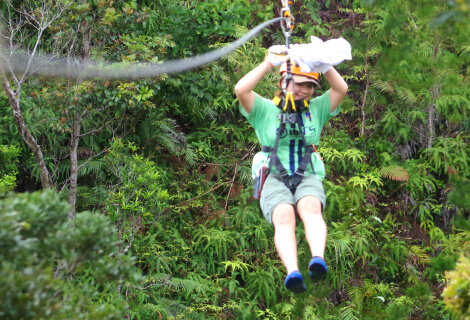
(289, 21)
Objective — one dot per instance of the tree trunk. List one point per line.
(75, 138)
(24, 132)
(76, 123)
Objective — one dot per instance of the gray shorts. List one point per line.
(276, 192)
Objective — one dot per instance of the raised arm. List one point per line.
(339, 87)
(245, 86)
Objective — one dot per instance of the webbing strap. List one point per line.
(300, 172)
(298, 105)
(294, 181)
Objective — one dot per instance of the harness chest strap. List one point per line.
(297, 105)
(294, 181)
(292, 116)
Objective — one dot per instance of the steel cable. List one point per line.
(88, 69)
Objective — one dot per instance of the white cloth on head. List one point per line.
(319, 56)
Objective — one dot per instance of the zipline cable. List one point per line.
(44, 66)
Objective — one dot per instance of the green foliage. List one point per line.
(456, 11)
(342, 198)
(460, 194)
(134, 199)
(214, 243)
(171, 160)
(8, 167)
(441, 263)
(261, 284)
(211, 21)
(421, 181)
(366, 180)
(43, 254)
(457, 293)
(450, 155)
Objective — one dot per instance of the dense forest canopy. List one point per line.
(133, 197)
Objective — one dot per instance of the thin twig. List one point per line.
(93, 157)
(198, 196)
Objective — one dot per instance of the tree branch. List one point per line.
(91, 132)
(92, 157)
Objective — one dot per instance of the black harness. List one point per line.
(292, 113)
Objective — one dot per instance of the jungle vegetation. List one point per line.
(133, 198)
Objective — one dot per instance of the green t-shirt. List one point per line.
(264, 119)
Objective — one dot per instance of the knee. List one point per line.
(311, 211)
(284, 215)
(309, 206)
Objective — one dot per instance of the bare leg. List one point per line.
(284, 235)
(309, 209)
(286, 245)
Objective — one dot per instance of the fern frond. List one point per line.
(262, 285)
(357, 295)
(188, 155)
(403, 301)
(236, 265)
(349, 313)
(244, 174)
(209, 113)
(384, 86)
(174, 308)
(186, 285)
(92, 167)
(394, 173)
(406, 95)
(64, 168)
(166, 282)
(426, 50)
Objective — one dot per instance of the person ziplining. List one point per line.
(288, 171)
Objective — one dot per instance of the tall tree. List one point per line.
(72, 108)
(20, 26)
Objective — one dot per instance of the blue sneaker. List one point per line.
(294, 282)
(317, 268)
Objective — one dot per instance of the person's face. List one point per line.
(303, 90)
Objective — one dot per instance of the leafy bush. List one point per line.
(457, 293)
(8, 169)
(43, 254)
